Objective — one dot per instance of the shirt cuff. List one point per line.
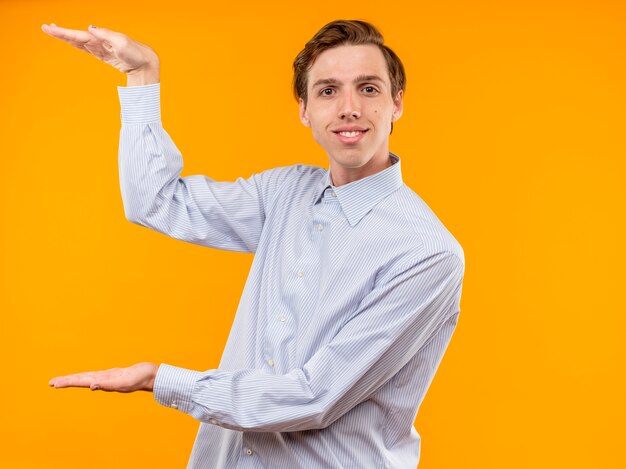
(140, 104)
(174, 386)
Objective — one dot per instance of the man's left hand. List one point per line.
(139, 377)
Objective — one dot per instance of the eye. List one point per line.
(370, 90)
(327, 92)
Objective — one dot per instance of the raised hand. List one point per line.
(139, 377)
(114, 48)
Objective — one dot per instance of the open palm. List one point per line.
(113, 48)
(139, 377)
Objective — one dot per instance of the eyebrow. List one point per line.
(359, 79)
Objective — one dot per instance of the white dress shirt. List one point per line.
(351, 301)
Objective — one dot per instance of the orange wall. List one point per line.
(513, 132)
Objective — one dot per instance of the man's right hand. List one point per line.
(133, 58)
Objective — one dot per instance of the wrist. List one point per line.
(155, 369)
(145, 75)
(146, 372)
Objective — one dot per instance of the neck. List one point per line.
(340, 176)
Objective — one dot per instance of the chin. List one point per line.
(349, 163)
(357, 161)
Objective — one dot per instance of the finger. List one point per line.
(76, 38)
(81, 380)
(110, 38)
(70, 35)
(81, 377)
(56, 379)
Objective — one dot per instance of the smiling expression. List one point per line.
(350, 110)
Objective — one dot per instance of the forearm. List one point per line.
(390, 327)
(195, 208)
(149, 162)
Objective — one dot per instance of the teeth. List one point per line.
(350, 134)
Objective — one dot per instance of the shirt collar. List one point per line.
(357, 198)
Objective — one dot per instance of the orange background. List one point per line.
(513, 132)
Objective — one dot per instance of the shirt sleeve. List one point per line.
(392, 323)
(197, 209)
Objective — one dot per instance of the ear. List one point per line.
(304, 116)
(397, 106)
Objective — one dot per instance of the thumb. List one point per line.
(106, 35)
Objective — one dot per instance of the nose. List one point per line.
(349, 107)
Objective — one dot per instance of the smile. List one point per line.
(351, 135)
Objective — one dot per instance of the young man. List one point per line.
(355, 287)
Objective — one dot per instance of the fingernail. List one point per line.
(95, 388)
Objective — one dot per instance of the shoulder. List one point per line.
(300, 176)
(430, 235)
(292, 173)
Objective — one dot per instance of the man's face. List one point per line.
(350, 110)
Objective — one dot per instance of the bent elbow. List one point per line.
(133, 215)
(139, 216)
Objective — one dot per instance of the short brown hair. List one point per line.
(345, 32)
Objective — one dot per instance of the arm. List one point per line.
(197, 209)
(387, 329)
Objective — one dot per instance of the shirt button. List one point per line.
(300, 274)
(212, 421)
(174, 405)
(319, 227)
(248, 451)
(333, 193)
(270, 362)
(282, 318)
